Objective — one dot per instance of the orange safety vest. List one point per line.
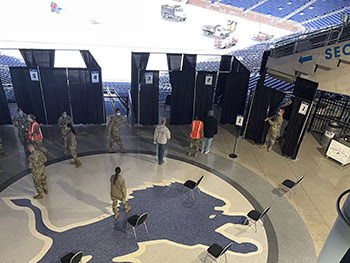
(197, 126)
(32, 130)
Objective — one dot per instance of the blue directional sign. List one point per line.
(304, 59)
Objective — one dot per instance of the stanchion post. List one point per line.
(239, 123)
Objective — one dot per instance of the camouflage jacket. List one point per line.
(275, 122)
(63, 121)
(118, 189)
(36, 161)
(20, 122)
(114, 124)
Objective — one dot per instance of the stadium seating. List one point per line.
(11, 61)
(245, 4)
(279, 8)
(326, 21)
(319, 8)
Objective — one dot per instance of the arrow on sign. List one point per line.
(304, 59)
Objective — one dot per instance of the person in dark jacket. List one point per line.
(210, 129)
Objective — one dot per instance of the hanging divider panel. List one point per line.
(96, 96)
(182, 94)
(225, 66)
(28, 92)
(38, 57)
(55, 89)
(85, 95)
(235, 92)
(265, 100)
(138, 62)
(235, 96)
(149, 97)
(5, 117)
(304, 91)
(204, 93)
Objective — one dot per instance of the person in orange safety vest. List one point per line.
(196, 135)
(35, 135)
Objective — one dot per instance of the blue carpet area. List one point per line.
(173, 215)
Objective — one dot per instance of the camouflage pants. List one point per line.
(65, 143)
(115, 203)
(40, 181)
(115, 138)
(23, 137)
(38, 145)
(270, 137)
(73, 152)
(194, 146)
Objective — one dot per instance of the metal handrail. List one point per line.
(340, 213)
(290, 45)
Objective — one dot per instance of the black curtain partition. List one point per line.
(89, 60)
(295, 130)
(304, 91)
(5, 117)
(265, 104)
(138, 62)
(225, 65)
(86, 97)
(174, 61)
(28, 93)
(235, 93)
(189, 63)
(38, 57)
(149, 97)
(204, 93)
(182, 94)
(55, 89)
(265, 57)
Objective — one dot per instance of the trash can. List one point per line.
(333, 130)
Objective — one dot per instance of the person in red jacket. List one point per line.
(196, 135)
(35, 135)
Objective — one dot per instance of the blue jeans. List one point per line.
(161, 150)
(206, 142)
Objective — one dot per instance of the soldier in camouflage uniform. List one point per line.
(36, 163)
(274, 130)
(21, 123)
(35, 135)
(113, 130)
(72, 143)
(196, 135)
(118, 192)
(63, 121)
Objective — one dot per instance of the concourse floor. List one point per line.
(77, 214)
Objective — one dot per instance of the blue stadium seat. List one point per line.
(245, 4)
(279, 8)
(319, 8)
(326, 21)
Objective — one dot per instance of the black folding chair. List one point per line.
(254, 216)
(215, 251)
(136, 220)
(289, 185)
(72, 258)
(191, 185)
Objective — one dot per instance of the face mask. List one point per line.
(28, 119)
(279, 113)
(118, 114)
(21, 113)
(64, 115)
